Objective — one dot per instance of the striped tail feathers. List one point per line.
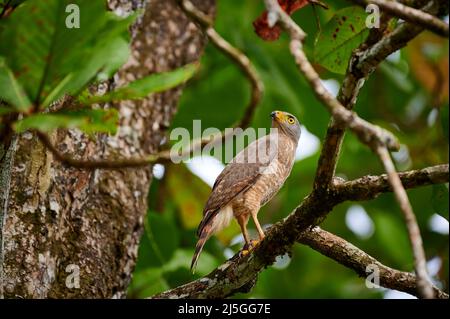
(213, 222)
(204, 233)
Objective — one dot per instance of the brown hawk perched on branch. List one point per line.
(250, 180)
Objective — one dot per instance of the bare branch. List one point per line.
(369, 187)
(133, 162)
(362, 263)
(97, 164)
(420, 263)
(239, 58)
(409, 14)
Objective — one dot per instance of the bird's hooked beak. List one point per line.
(278, 116)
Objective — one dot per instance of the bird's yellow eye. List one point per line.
(290, 120)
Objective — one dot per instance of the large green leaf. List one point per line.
(50, 59)
(390, 233)
(88, 121)
(5, 110)
(141, 88)
(147, 282)
(339, 37)
(11, 91)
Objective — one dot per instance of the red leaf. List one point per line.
(261, 24)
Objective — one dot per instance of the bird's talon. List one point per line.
(249, 247)
(254, 243)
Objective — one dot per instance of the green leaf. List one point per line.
(163, 238)
(121, 50)
(439, 199)
(141, 88)
(147, 282)
(88, 121)
(339, 37)
(183, 257)
(11, 91)
(50, 59)
(391, 233)
(5, 110)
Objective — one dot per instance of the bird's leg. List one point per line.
(258, 226)
(242, 221)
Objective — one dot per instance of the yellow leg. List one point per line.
(258, 227)
(242, 221)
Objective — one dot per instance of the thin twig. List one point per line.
(424, 286)
(369, 187)
(409, 14)
(92, 164)
(362, 263)
(239, 58)
(5, 7)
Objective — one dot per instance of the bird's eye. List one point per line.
(291, 120)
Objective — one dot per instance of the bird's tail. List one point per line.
(203, 237)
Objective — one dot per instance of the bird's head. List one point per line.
(287, 123)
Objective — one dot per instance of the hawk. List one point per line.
(249, 181)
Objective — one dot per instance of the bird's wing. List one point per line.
(239, 175)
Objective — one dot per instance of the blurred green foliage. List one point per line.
(402, 96)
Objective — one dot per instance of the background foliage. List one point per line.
(407, 94)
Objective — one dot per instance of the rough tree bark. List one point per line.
(57, 220)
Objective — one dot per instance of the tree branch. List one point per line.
(362, 263)
(239, 273)
(369, 187)
(92, 164)
(420, 262)
(363, 62)
(409, 14)
(369, 134)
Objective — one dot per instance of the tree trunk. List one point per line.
(68, 232)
